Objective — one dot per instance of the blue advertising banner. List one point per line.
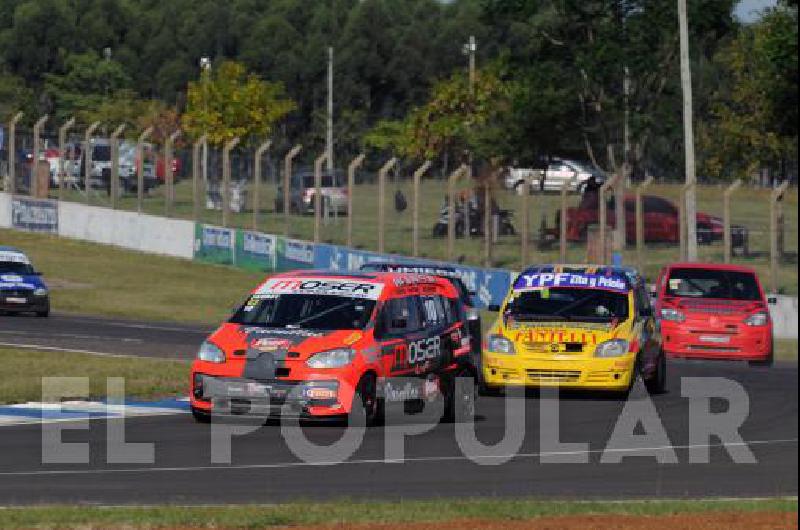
(294, 254)
(213, 244)
(36, 215)
(255, 251)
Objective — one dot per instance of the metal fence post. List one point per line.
(62, 152)
(196, 175)
(726, 218)
(87, 157)
(169, 175)
(257, 180)
(451, 208)
(775, 222)
(525, 221)
(140, 168)
(488, 239)
(640, 222)
(562, 222)
(415, 207)
(382, 201)
(602, 214)
(12, 153)
(321, 159)
(287, 183)
(226, 180)
(351, 182)
(37, 131)
(683, 221)
(113, 178)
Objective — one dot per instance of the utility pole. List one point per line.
(688, 135)
(472, 47)
(329, 136)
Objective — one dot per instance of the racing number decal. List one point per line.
(423, 350)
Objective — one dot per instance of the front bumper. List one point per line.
(593, 373)
(236, 396)
(24, 303)
(691, 342)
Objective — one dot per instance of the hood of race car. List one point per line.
(10, 281)
(548, 339)
(302, 343)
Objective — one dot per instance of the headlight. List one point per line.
(41, 291)
(211, 353)
(757, 319)
(331, 358)
(673, 315)
(611, 348)
(500, 344)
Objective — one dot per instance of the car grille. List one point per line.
(16, 292)
(553, 347)
(703, 347)
(554, 376)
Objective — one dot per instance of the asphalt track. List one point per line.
(264, 468)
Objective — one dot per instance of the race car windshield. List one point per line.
(706, 283)
(568, 304)
(323, 312)
(14, 267)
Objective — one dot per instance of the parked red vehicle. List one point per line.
(714, 311)
(661, 223)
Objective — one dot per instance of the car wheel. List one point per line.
(489, 390)
(657, 384)
(201, 416)
(769, 361)
(460, 398)
(367, 409)
(43, 314)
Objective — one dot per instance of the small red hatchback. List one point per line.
(714, 311)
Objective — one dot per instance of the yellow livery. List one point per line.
(589, 327)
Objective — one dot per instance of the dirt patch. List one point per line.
(60, 283)
(698, 521)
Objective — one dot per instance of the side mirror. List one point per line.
(772, 300)
(493, 307)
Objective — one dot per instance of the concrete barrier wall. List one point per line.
(142, 232)
(784, 317)
(5, 210)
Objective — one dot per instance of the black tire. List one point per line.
(463, 405)
(43, 314)
(769, 361)
(490, 391)
(201, 416)
(658, 383)
(367, 404)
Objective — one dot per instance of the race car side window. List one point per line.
(400, 316)
(435, 312)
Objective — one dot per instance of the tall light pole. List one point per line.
(329, 135)
(688, 135)
(205, 67)
(469, 50)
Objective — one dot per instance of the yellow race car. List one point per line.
(575, 326)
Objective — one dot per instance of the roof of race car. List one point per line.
(382, 279)
(711, 266)
(13, 254)
(619, 279)
(410, 267)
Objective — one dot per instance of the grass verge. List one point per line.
(144, 378)
(89, 278)
(348, 513)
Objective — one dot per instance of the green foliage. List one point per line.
(753, 122)
(230, 103)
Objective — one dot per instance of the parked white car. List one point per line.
(558, 172)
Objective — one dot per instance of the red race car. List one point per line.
(661, 223)
(714, 312)
(325, 344)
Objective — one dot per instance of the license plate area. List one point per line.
(16, 300)
(715, 339)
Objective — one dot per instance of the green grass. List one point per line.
(144, 378)
(786, 350)
(98, 279)
(345, 512)
(749, 207)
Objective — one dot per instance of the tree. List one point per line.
(753, 118)
(230, 103)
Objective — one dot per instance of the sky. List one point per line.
(747, 10)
